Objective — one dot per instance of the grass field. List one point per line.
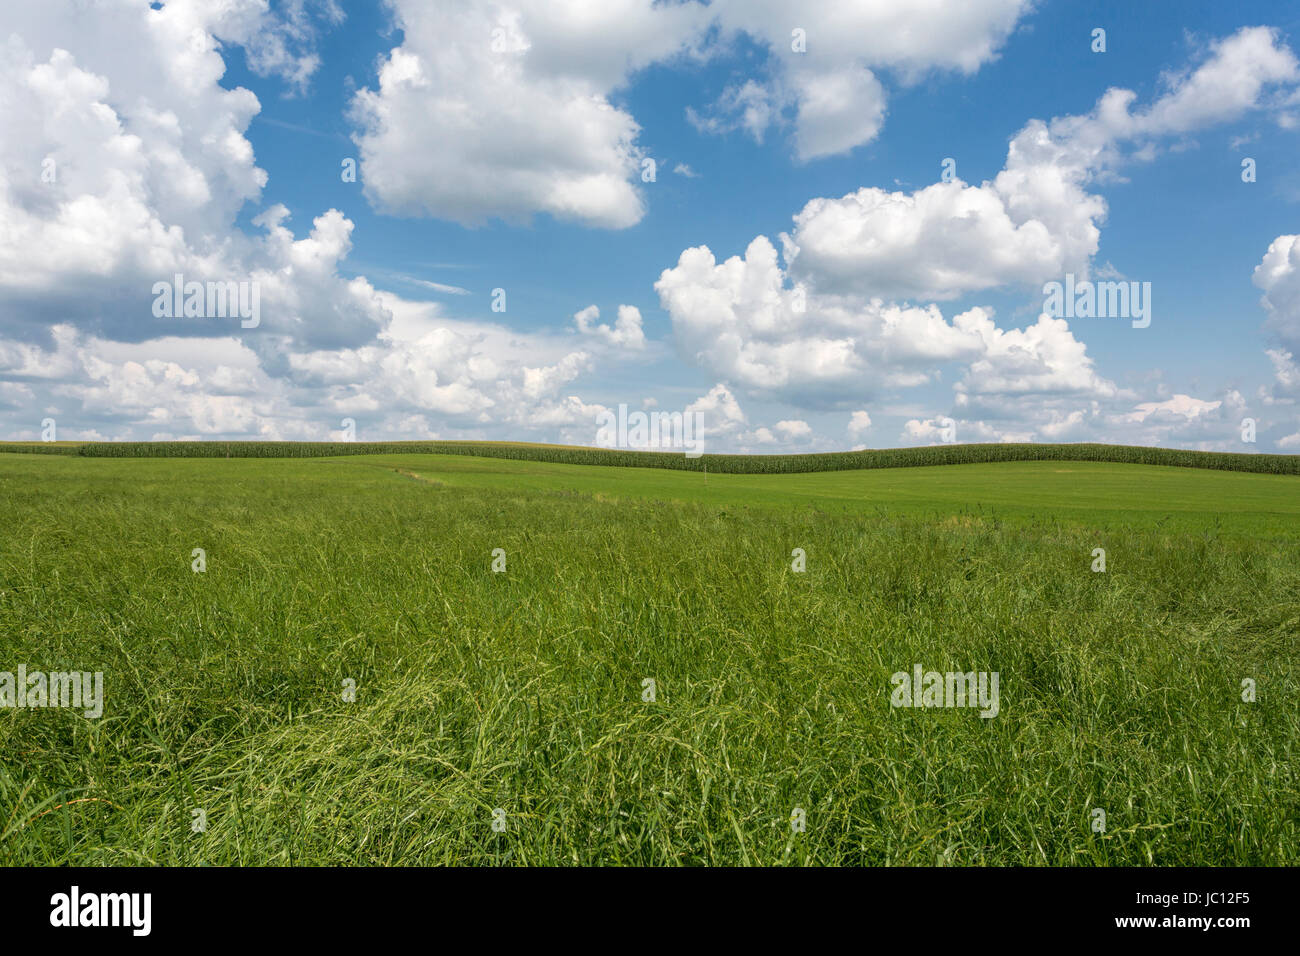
(942, 454)
(523, 691)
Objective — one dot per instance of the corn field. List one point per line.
(728, 464)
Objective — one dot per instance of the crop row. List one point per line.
(733, 464)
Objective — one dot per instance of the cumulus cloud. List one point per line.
(1036, 219)
(125, 164)
(741, 320)
(831, 321)
(1279, 276)
(1179, 405)
(722, 412)
(472, 377)
(1044, 358)
(824, 57)
(939, 242)
(471, 374)
(506, 109)
(626, 332)
(1180, 420)
(794, 430)
(204, 388)
(727, 428)
(148, 173)
(1286, 376)
(859, 422)
(288, 49)
(503, 110)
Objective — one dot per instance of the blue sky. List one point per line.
(514, 161)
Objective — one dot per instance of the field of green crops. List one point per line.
(519, 697)
(953, 454)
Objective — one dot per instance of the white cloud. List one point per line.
(722, 414)
(794, 430)
(1279, 276)
(937, 243)
(502, 110)
(125, 163)
(739, 320)
(831, 89)
(819, 331)
(440, 287)
(208, 387)
(1180, 420)
(750, 106)
(727, 429)
(1035, 220)
(472, 374)
(1286, 376)
(468, 375)
(1044, 358)
(1184, 405)
(626, 333)
(154, 171)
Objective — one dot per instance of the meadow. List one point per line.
(519, 697)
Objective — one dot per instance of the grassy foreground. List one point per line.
(523, 691)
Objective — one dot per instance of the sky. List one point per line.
(814, 226)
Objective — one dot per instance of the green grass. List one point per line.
(1093, 494)
(953, 454)
(523, 690)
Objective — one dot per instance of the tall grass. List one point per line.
(523, 690)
